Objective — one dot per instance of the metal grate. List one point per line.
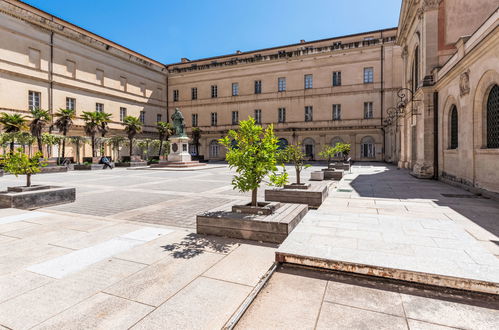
(493, 118)
(453, 128)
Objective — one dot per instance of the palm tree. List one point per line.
(78, 141)
(164, 131)
(92, 124)
(196, 136)
(104, 120)
(63, 123)
(133, 126)
(40, 119)
(12, 123)
(116, 142)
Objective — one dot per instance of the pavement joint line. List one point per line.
(124, 298)
(361, 308)
(322, 303)
(226, 281)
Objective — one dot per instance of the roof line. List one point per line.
(282, 46)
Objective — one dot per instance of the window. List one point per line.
(99, 107)
(194, 93)
(453, 128)
(99, 75)
(122, 113)
(34, 100)
(71, 68)
(158, 118)
(175, 95)
(214, 149)
(281, 84)
(368, 110)
(337, 78)
(70, 103)
(368, 75)
(415, 70)
(308, 81)
(258, 86)
(235, 89)
(235, 117)
(336, 111)
(142, 117)
(214, 119)
(493, 118)
(34, 56)
(367, 148)
(281, 115)
(143, 89)
(214, 91)
(258, 116)
(194, 118)
(309, 146)
(308, 113)
(123, 84)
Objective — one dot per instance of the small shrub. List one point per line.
(19, 163)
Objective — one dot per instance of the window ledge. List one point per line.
(451, 151)
(487, 151)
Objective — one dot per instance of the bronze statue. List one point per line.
(178, 123)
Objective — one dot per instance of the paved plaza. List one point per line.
(125, 255)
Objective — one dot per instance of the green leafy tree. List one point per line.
(63, 123)
(344, 149)
(196, 136)
(78, 142)
(133, 126)
(254, 156)
(40, 119)
(19, 163)
(164, 131)
(92, 126)
(328, 152)
(25, 139)
(12, 123)
(116, 143)
(294, 155)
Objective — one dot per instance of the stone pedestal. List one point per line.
(179, 149)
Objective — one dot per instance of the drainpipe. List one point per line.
(51, 69)
(382, 94)
(435, 135)
(167, 95)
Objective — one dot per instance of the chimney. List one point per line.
(302, 41)
(238, 52)
(184, 60)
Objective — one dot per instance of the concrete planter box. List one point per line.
(297, 186)
(54, 169)
(339, 166)
(131, 164)
(36, 196)
(317, 176)
(332, 174)
(313, 196)
(89, 167)
(272, 228)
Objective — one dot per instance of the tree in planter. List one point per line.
(344, 149)
(196, 136)
(133, 126)
(164, 131)
(254, 157)
(63, 123)
(92, 124)
(12, 123)
(294, 155)
(19, 163)
(40, 119)
(329, 153)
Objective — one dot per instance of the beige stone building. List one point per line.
(449, 127)
(314, 93)
(423, 95)
(49, 63)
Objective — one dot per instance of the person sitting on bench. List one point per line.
(104, 160)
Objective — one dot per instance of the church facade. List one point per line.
(423, 95)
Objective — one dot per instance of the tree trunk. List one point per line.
(28, 180)
(131, 147)
(160, 146)
(253, 197)
(297, 175)
(63, 148)
(40, 146)
(12, 146)
(94, 152)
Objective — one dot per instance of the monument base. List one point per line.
(179, 155)
(167, 163)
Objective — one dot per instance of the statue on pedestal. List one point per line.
(178, 123)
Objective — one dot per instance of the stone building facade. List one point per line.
(49, 63)
(449, 126)
(314, 93)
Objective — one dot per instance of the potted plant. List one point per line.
(254, 157)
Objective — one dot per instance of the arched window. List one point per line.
(214, 149)
(309, 146)
(415, 69)
(367, 147)
(493, 118)
(283, 143)
(453, 128)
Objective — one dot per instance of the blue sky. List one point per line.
(167, 30)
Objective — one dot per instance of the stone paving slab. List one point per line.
(410, 239)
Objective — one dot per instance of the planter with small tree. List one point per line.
(31, 196)
(298, 192)
(254, 158)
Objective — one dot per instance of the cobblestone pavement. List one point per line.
(152, 196)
